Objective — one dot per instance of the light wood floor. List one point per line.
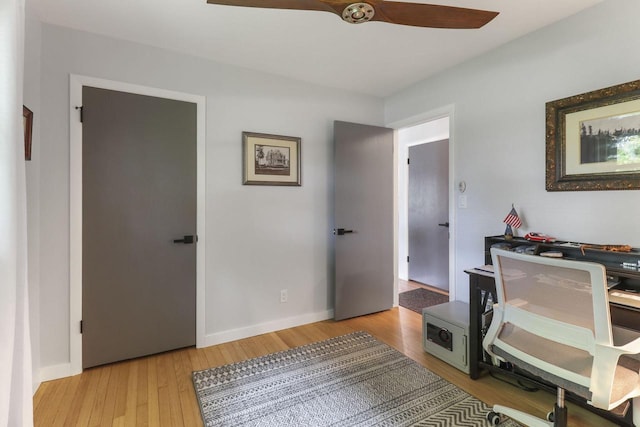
(157, 390)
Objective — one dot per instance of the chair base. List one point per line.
(556, 418)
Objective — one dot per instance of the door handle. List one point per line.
(341, 231)
(446, 224)
(187, 240)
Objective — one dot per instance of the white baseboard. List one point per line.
(55, 372)
(63, 370)
(264, 328)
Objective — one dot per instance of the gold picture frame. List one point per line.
(593, 140)
(270, 159)
(27, 124)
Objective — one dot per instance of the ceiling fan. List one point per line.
(394, 12)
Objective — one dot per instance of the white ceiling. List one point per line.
(373, 58)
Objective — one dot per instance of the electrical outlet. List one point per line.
(284, 295)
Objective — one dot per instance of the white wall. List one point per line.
(259, 239)
(499, 130)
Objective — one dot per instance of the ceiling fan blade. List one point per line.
(277, 4)
(430, 15)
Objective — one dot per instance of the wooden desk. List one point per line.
(482, 294)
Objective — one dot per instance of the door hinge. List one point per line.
(408, 161)
(407, 258)
(81, 108)
(81, 326)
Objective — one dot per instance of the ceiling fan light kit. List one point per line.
(393, 12)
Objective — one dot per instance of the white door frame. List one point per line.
(76, 82)
(401, 170)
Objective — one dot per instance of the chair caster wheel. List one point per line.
(550, 416)
(493, 418)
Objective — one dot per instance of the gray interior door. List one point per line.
(429, 214)
(363, 219)
(139, 195)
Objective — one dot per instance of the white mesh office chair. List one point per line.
(552, 319)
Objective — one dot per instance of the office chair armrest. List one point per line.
(606, 359)
(630, 348)
(625, 346)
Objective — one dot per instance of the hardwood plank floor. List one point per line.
(157, 390)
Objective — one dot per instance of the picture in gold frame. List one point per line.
(593, 140)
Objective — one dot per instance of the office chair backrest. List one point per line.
(554, 311)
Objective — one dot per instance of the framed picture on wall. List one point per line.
(270, 159)
(593, 140)
(27, 124)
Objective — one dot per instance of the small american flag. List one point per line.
(512, 219)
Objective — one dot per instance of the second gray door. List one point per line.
(429, 214)
(139, 195)
(363, 219)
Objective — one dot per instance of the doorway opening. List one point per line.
(423, 237)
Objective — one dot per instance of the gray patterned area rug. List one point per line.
(351, 380)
